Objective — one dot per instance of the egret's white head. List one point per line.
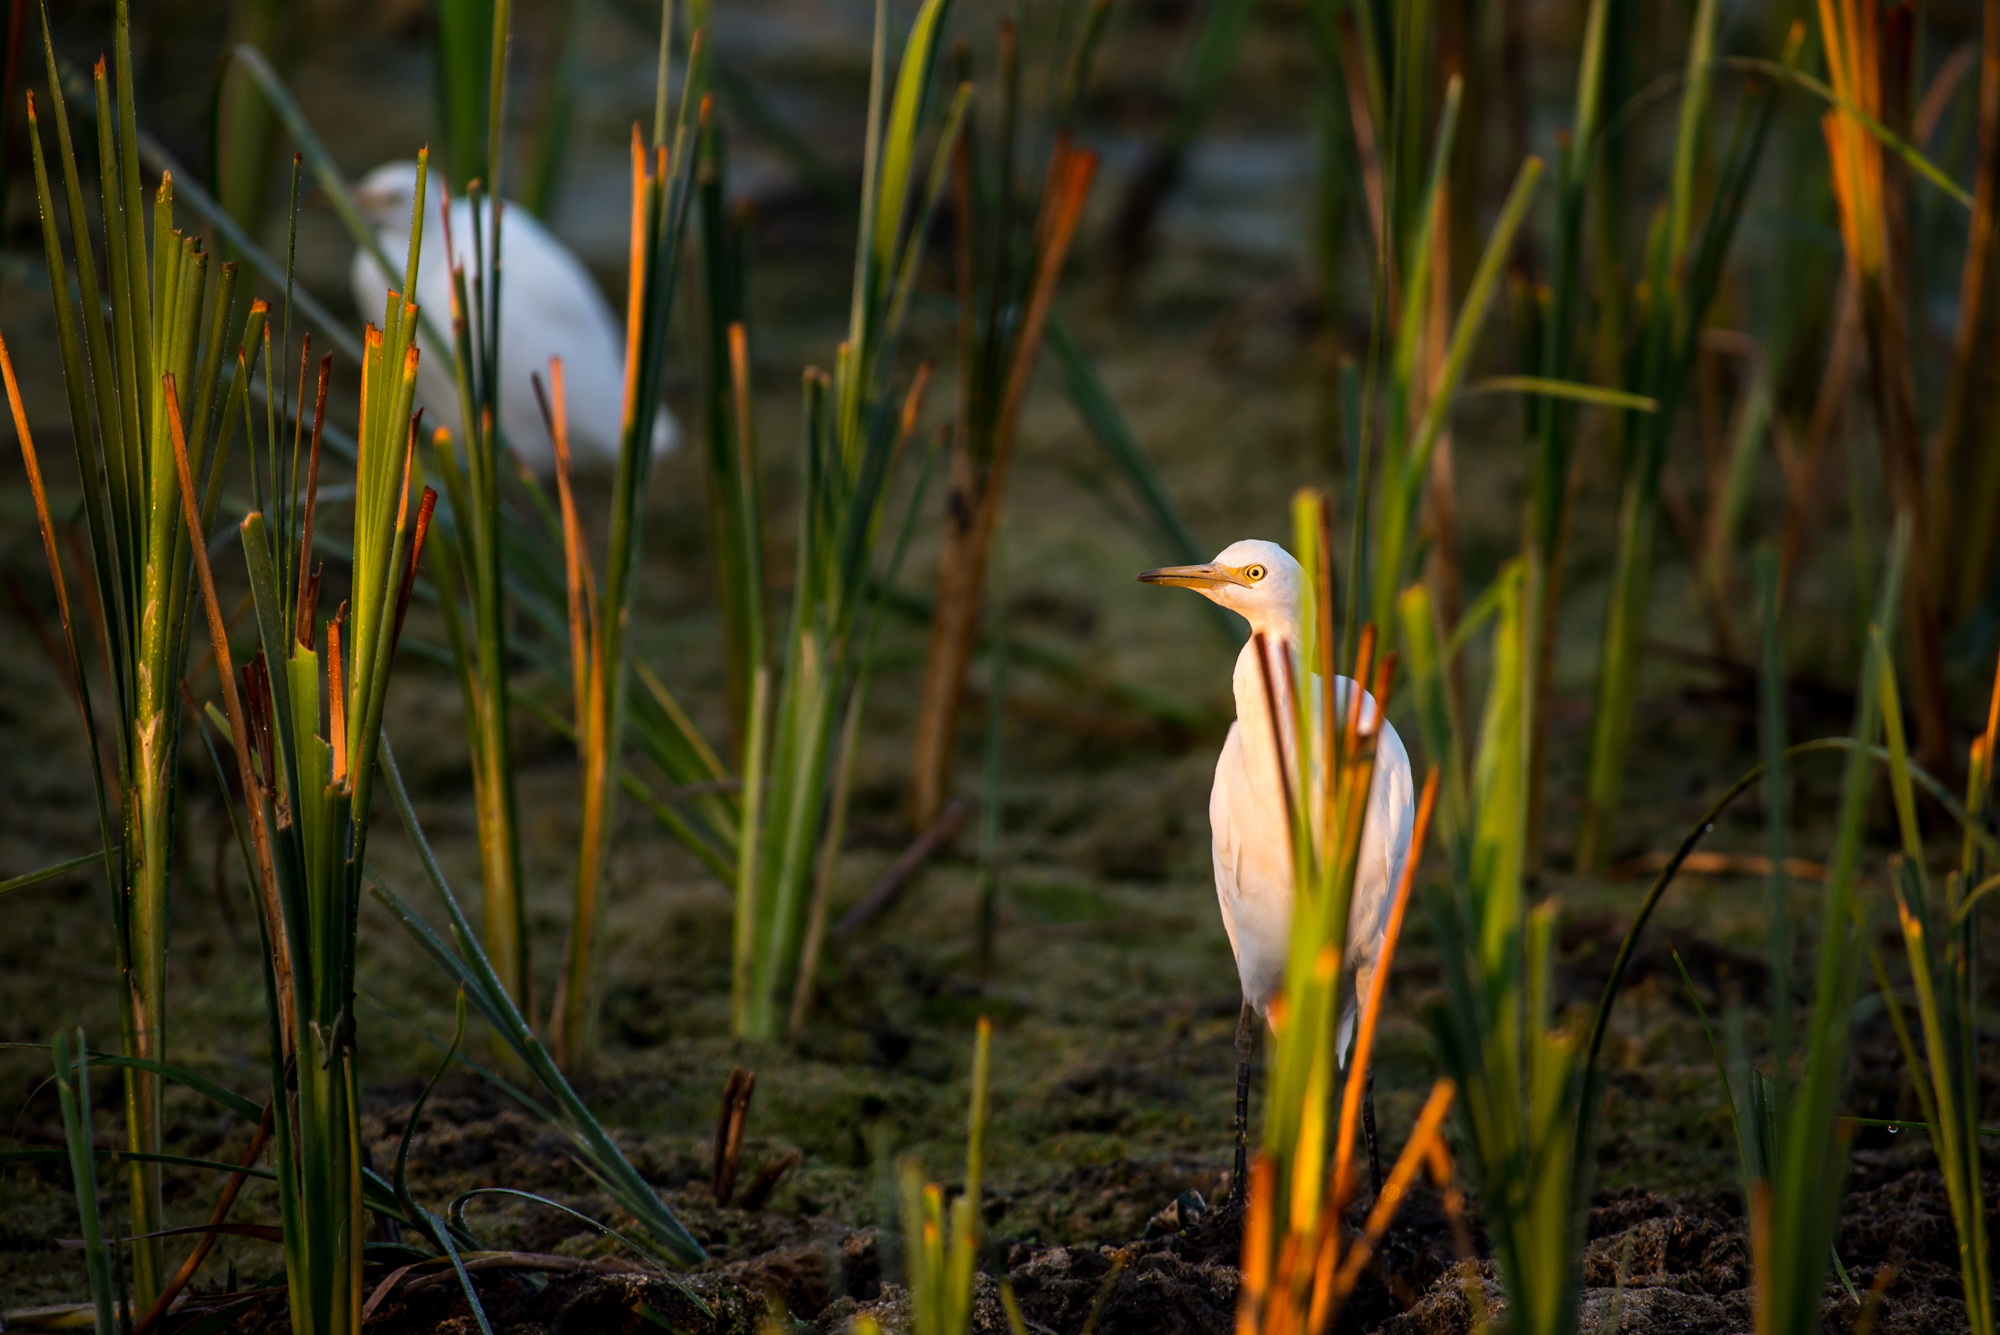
(1258, 580)
(387, 196)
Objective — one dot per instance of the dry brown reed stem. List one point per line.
(32, 462)
(1255, 1275)
(1364, 658)
(216, 1217)
(1263, 643)
(1992, 733)
(977, 487)
(1371, 1010)
(581, 580)
(1868, 59)
(1355, 80)
(1966, 414)
(426, 510)
(1760, 1251)
(239, 733)
(734, 1115)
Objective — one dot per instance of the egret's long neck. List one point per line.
(1282, 641)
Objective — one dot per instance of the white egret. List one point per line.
(550, 306)
(1247, 807)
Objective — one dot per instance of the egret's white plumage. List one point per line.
(550, 307)
(1246, 808)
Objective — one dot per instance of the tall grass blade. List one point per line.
(1868, 54)
(1406, 462)
(1010, 258)
(168, 312)
(1683, 275)
(1520, 1078)
(1793, 1215)
(663, 189)
(73, 1092)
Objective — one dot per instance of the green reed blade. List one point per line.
(1542, 387)
(1521, 1085)
(913, 83)
(1402, 482)
(1684, 278)
(1416, 263)
(735, 504)
(73, 1092)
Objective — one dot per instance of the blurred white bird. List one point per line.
(549, 307)
(1247, 812)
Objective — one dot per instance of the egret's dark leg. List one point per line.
(1368, 1129)
(1246, 1044)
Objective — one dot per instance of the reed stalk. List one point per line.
(73, 1094)
(1010, 246)
(167, 316)
(735, 497)
(1868, 55)
(1551, 424)
(1967, 417)
(1418, 408)
(855, 432)
(307, 795)
(466, 102)
(1941, 941)
(245, 137)
(469, 566)
(663, 189)
(1795, 1207)
(1686, 248)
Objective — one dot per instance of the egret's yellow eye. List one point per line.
(1254, 573)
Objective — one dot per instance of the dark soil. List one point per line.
(1654, 1264)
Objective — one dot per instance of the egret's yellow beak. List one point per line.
(1193, 577)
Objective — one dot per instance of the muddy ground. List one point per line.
(1111, 989)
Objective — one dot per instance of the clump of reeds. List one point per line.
(1682, 275)
(856, 429)
(305, 794)
(161, 319)
(1515, 1061)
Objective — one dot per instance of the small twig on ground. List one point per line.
(893, 881)
(767, 1179)
(1716, 864)
(736, 1093)
(216, 1220)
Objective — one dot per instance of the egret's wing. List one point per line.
(1385, 844)
(366, 282)
(1226, 840)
